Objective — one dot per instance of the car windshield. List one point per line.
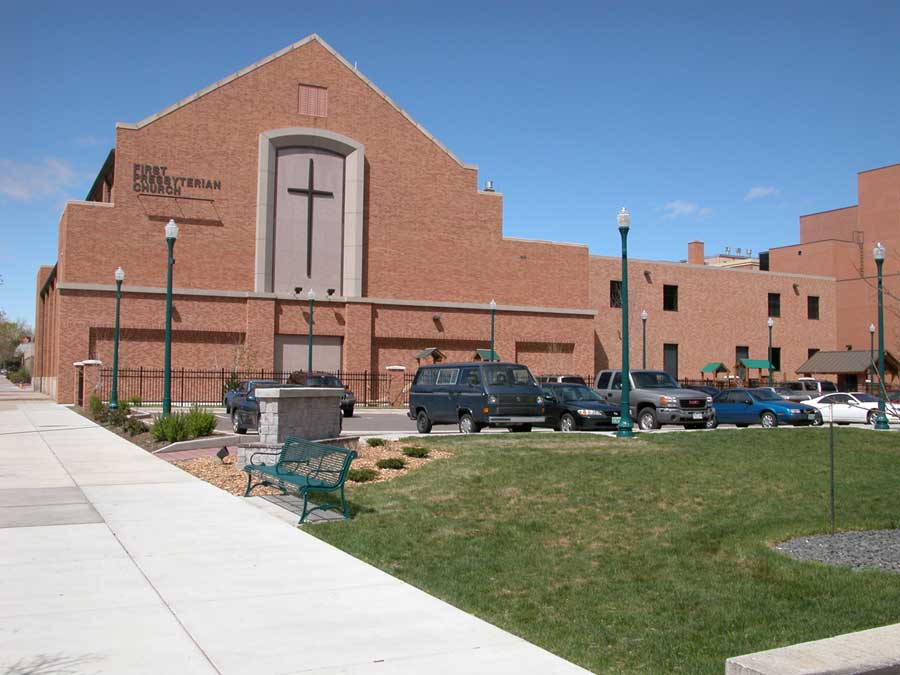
(865, 398)
(501, 375)
(654, 380)
(828, 387)
(577, 393)
(323, 381)
(765, 395)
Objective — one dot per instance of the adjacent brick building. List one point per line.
(401, 247)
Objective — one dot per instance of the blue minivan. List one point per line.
(475, 396)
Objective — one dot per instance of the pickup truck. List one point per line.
(657, 399)
(805, 388)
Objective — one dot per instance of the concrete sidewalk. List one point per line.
(114, 561)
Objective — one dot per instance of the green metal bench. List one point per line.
(304, 466)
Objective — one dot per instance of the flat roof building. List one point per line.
(298, 173)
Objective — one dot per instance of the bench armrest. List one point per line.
(263, 454)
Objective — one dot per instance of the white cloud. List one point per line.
(680, 208)
(23, 181)
(760, 191)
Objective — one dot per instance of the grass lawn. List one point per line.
(641, 556)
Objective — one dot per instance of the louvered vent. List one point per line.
(313, 101)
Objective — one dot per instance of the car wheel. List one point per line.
(467, 425)
(423, 424)
(768, 420)
(348, 412)
(871, 417)
(817, 420)
(236, 424)
(520, 428)
(712, 422)
(647, 420)
(567, 423)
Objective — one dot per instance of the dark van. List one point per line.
(475, 396)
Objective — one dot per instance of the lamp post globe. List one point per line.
(171, 236)
(311, 295)
(624, 429)
(114, 392)
(493, 311)
(881, 422)
(644, 316)
(770, 323)
(871, 368)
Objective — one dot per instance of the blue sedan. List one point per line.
(744, 407)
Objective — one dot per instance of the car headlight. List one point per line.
(587, 412)
(709, 400)
(668, 401)
(794, 411)
(493, 400)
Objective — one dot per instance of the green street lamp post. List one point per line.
(644, 338)
(493, 311)
(881, 422)
(309, 344)
(114, 394)
(771, 323)
(625, 422)
(171, 236)
(871, 368)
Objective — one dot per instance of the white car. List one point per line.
(848, 408)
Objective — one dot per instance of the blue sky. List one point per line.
(715, 121)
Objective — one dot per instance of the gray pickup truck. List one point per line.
(657, 399)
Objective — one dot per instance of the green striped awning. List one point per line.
(714, 367)
(756, 363)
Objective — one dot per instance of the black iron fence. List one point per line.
(192, 386)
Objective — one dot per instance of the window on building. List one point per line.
(670, 360)
(811, 352)
(775, 304)
(615, 293)
(812, 307)
(776, 358)
(670, 298)
(312, 101)
(740, 352)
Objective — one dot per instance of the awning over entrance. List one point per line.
(762, 364)
(714, 367)
(851, 362)
(486, 355)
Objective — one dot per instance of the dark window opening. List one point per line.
(670, 360)
(775, 304)
(811, 352)
(776, 358)
(812, 307)
(615, 293)
(670, 298)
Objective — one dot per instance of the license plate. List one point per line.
(615, 420)
(698, 416)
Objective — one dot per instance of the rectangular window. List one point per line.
(427, 376)
(670, 298)
(775, 304)
(740, 352)
(812, 307)
(670, 360)
(603, 381)
(615, 293)
(811, 352)
(447, 375)
(776, 358)
(312, 101)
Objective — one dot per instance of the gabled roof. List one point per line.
(486, 355)
(852, 361)
(281, 52)
(762, 364)
(714, 367)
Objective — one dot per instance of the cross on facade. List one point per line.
(310, 193)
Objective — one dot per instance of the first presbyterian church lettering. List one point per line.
(155, 179)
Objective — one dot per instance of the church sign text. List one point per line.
(155, 180)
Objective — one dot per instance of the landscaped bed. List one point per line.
(651, 555)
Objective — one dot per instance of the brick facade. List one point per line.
(434, 255)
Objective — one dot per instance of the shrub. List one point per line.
(375, 442)
(135, 401)
(172, 428)
(199, 422)
(362, 475)
(119, 416)
(134, 427)
(20, 376)
(416, 451)
(391, 463)
(231, 383)
(96, 407)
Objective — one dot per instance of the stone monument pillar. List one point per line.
(311, 413)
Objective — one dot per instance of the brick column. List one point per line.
(358, 337)
(259, 343)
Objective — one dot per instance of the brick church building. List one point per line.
(298, 173)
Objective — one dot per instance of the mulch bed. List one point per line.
(230, 477)
(144, 440)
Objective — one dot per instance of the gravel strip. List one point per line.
(873, 549)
